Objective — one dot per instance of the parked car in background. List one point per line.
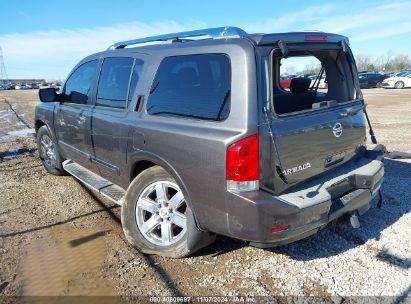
(285, 81)
(371, 80)
(35, 86)
(400, 81)
(323, 82)
(22, 86)
(9, 86)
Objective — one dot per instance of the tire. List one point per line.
(378, 85)
(399, 85)
(156, 219)
(48, 152)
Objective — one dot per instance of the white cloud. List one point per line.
(51, 54)
(388, 31)
(369, 20)
(286, 22)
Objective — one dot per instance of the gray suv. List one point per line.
(194, 135)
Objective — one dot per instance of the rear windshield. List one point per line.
(310, 79)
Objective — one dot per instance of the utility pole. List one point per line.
(3, 73)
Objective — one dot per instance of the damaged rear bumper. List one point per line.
(305, 210)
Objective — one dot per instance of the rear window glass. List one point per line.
(192, 86)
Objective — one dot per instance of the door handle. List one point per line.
(351, 112)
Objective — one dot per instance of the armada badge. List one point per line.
(337, 129)
(297, 169)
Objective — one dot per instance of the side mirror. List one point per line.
(48, 95)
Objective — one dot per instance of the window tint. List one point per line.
(138, 67)
(196, 86)
(113, 82)
(79, 83)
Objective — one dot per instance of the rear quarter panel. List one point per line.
(194, 151)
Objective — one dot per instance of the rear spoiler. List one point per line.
(297, 37)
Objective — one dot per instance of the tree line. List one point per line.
(384, 63)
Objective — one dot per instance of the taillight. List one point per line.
(315, 38)
(243, 165)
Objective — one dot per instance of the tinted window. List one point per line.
(138, 67)
(196, 86)
(113, 82)
(79, 83)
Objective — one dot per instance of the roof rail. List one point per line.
(214, 33)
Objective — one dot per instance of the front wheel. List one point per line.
(399, 85)
(48, 152)
(378, 85)
(156, 218)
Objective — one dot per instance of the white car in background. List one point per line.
(399, 81)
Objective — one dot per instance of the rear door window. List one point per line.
(192, 86)
(114, 82)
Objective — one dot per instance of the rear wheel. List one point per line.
(48, 152)
(399, 85)
(156, 217)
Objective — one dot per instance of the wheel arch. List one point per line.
(144, 160)
(38, 124)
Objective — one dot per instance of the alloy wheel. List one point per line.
(399, 85)
(161, 213)
(48, 151)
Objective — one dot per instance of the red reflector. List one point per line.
(278, 229)
(315, 38)
(242, 160)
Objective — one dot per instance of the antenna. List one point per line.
(3, 73)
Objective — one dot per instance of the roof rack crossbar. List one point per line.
(214, 33)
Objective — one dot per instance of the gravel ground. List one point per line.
(59, 238)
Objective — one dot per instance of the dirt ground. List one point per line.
(59, 238)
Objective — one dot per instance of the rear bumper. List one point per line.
(306, 209)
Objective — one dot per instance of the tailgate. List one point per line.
(312, 143)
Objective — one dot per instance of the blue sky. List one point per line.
(45, 39)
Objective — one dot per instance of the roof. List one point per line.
(229, 32)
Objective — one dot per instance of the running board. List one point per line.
(94, 181)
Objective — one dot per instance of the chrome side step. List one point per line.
(94, 181)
